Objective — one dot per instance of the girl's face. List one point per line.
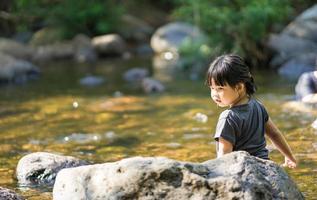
(223, 95)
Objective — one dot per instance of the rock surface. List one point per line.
(135, 74)
(83, 49)
(234, 176)
(54, 51)
(151, 85)
(296, 45)
(15, 49)
(170, 37)
(41, 168)
(16, 70)
(91, 81)
(109, 44)
(6, 194)
(134, 28)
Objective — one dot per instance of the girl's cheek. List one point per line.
(212, 93)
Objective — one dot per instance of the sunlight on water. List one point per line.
(56, 114)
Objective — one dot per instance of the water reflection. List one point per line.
(88, 137)
(100, 124)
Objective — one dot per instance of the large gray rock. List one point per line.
(134, 28)
(83, 49)
(46, 36)
(109, 44)
(309, 14)
(291, 45)
(6, 194)
(15, 70)
(304, 26)
(296, 66)
(15, 49)
(234, 176)
(41, 168)
(305, 29)
(54, 51)
(296, 41)
(172, 36)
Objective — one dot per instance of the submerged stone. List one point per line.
(91, 81)
(41, 168)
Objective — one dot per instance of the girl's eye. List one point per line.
(217, 88)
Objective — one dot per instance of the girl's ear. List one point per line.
(240, 87)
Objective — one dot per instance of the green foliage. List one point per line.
(238, 26)
(201, 49)
(195, 54)
(72, 16)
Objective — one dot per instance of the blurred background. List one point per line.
(104, 80)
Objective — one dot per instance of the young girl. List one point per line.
(244, 124)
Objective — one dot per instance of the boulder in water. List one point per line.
(234, 176)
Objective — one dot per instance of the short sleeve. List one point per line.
(265, 114)
(263, 111)
(226, 129)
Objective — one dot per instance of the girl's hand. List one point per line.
(289, 163)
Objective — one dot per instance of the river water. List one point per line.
(117, 120)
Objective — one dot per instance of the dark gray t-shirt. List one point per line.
(243, 127)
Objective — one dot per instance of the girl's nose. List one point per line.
(213, 95)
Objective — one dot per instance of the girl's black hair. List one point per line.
(230, 69)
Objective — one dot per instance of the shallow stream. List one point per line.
(117, 120)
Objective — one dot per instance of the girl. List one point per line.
(244, 124)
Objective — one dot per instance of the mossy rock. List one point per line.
(45, 36)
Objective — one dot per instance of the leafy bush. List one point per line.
(240, 26)
(72, 16)
(195, 55)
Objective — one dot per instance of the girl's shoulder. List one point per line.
(258, 105)
(229, 113)
(257, 102)
(253, 104)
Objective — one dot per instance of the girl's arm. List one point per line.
(223, 147)
(280, 143)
